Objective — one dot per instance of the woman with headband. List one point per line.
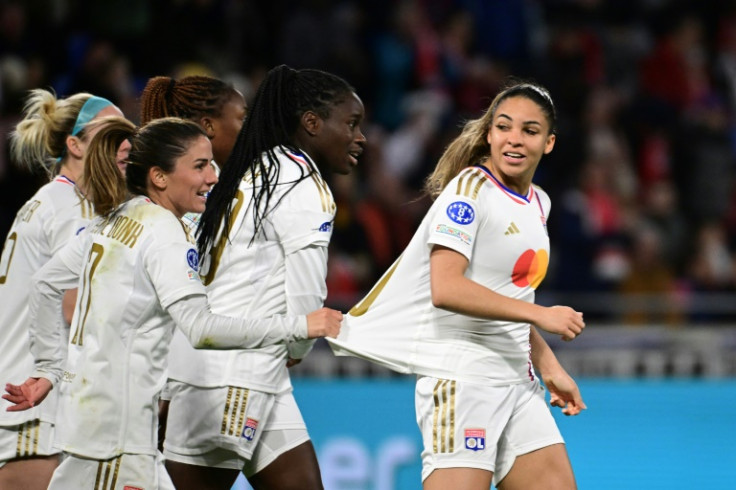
(53, 136)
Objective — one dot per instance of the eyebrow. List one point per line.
(525, 122)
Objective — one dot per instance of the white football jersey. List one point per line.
(504, 237)
(134, 264)
(43, 225)
(245, 276)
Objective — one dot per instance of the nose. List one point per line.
(360, 137)
(211, 175)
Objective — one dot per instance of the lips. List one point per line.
(354, 155)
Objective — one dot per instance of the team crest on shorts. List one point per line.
(249, 432)
(475, 439)
(128, 487)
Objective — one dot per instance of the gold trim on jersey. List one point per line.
(85, 207)
(28, 435)
(216, 252)
(104, 482)
(14, 238)
(233, 418)
(366, 302)
(328, 203)
(468, 177)
(443, 418)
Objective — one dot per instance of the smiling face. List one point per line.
(337, 141)
(519, 136)
(186, 188)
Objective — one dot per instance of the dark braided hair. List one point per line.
(274, 117)
(189, 98)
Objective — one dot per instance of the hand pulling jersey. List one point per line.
(43, 225)
(504, 237)
(246, 276)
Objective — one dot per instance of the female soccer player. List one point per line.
(264, 236)
(457, 309)
(52, 136)
(214, 104)
(138, 277)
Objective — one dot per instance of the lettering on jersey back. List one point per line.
(125, 230)
(26, 212)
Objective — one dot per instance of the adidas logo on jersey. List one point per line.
(512, 229)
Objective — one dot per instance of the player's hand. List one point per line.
(324, 322)
(292, 362)
(564, 393)
(562, 320)
(27, 395)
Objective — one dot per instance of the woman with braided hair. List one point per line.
(213, 104)
(263, 238)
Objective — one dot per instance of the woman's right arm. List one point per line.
(453, 291)
(207, 330)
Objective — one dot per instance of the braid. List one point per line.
(274, 117)
(189, 98)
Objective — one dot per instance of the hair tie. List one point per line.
(90, 109)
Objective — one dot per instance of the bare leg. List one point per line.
(296, 469)
(28, 474)
(193, 477)
(545, 469)
(458, 479)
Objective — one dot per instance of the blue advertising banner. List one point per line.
(646, 434)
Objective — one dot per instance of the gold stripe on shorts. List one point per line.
(443, 419)
(28, 435)
(104, 470)
(234, 414)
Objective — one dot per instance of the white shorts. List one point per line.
(126, 472)
(467, 425)
(231, 427)
(26, 440)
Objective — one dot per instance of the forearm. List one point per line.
(305, 289)
(45, 332)
(452, 291)
(543, 358)
(206, 330)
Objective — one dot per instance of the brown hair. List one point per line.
(471, 146)
(189, 98)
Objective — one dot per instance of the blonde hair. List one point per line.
(471, 146)
(105, 185)
(39, 140)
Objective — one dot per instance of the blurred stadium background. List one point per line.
(643, 223)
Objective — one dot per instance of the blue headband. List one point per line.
(89, 110)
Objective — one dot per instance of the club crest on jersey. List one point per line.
(249, 431)
(192, 258)
(475, 439)
(461, 212)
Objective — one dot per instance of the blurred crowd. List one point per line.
(641, 178)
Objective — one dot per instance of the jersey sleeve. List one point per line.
(172, 263)
(305, 215)
(305, 289)
(45, 324)
(454, 222)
